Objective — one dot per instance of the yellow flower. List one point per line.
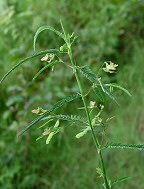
(110, 67)
(92, 104)
(45, 58)
(48, 58)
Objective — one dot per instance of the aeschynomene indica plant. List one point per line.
(92, 122)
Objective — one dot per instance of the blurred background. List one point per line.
(107, 30)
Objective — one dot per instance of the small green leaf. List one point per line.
(99, 172)
(106, 91)
(40, 137)
(50, 136)
(119, 87)
(88, 73)
(71, 118)
(46, 123)
(99, 93)
(44, 68)
(64, 47)
(84, 132)
(56, 124)
(120, 180)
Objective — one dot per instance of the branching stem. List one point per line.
(95, 139)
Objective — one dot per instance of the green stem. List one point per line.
(95, 139)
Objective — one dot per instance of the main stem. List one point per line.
(95, 139)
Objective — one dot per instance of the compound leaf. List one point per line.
(88, 73)
(51, 51)
(51, 109)
(91, 76)
(99, 93)
(124, 146)
(71, 118)
(119, 87)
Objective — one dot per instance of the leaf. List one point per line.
(99, 93)
(99, 172)
(120, 180)
(84, 132)
(40, 137)
(107, 91)
(42, 28)
(88, 73)
(44, 68)
(71, 118)
(91, 76)
(54, 51)
(124, 146)
(50, 137)
(118, 86)
(51, 109)
(55, 130)
(46, 123)
(56, 124)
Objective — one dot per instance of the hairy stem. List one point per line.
(95, 139)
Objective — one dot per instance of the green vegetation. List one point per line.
(113, 32)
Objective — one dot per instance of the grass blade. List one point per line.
(51, 109)
(51, 51)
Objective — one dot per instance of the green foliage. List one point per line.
(113, 85)
(72, 118)
(99, 93)
(111, 32)
(53, 132)
(51, 109)
(54, 51)
(84, 132)
(86, 71)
